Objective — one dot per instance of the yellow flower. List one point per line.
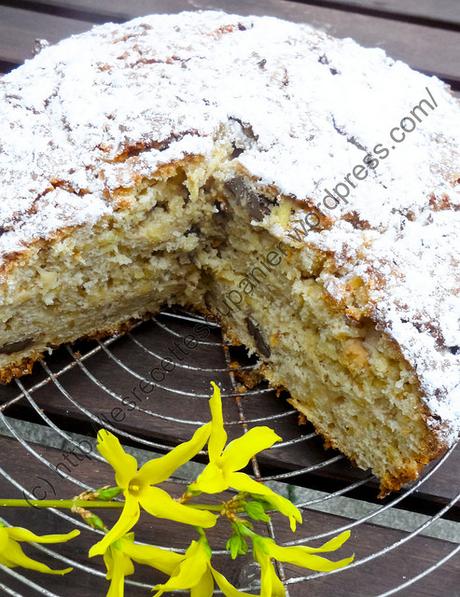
(224, 462)
(138, 490)
(265, 549)
(196, 574)
(12, 555)
(121, 554)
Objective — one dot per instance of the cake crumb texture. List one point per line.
(148, 163)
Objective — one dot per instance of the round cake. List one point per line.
(303, 190)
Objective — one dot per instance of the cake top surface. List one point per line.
(372, 144)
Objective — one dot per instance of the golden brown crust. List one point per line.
(432, 449)
(432, 446)
(19, 368)
(24, 366)
(118, 198)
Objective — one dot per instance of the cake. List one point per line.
(301, 189)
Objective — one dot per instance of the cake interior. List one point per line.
(198, 235)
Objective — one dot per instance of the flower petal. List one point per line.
(20, 534)
(159, 503)
(239, 452)
(4, 538)
(128, 518)
(205, 588)
(285, 507)
(266, 577)
(211, 480)
(124, 465)
(270, 584)
(117, 584)
(108, 561)
(121, 567)
(331, 545)
(303, 559)
(191, 570)
(242, 482)
(277, 587)
(226, 587)
(161, 559)
(15, 556)
(218, 437)
(159, 469)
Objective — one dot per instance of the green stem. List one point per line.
(66, 504)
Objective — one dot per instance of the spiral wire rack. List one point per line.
(96, 364)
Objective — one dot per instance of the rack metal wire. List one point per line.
(94, 364)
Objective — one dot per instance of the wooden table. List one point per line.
(80, 387)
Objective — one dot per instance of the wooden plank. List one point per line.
(422, 47)
(442, 14)
(173, 400)
(428, 49)
(445, 12)
(382, 573)
(167, 402)
(20, 28)
(379, 574)
(38, 479)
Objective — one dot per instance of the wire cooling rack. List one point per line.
(50, 419)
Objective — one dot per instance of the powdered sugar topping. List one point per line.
(81, 118)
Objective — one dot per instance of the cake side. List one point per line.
(349, 378)
(186, 235)
(95, 280)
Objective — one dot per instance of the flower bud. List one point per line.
(237, 546)
(107, 493)
(256, 511)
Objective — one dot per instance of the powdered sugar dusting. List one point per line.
(84, 116)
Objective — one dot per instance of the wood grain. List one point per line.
(150, 419)
(441, 14)
(379, 574)
(20, 28)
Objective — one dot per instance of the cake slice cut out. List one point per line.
(301, 189)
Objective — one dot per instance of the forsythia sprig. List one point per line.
(12, 554)
(192, 570)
